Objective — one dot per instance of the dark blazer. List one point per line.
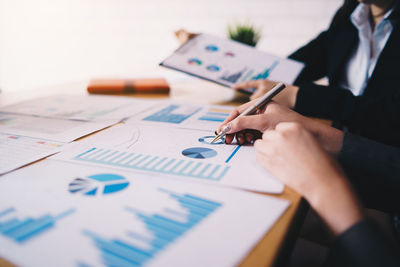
(363, 245)
(375, 114)
(374, 171)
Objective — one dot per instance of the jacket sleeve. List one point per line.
(314, 56)
(374, 118)
(365, 245)
(374, 170)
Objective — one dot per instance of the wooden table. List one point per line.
(274, 248)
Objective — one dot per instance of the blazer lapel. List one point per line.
(386, 68)
(343, 45)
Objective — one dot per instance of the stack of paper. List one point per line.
(92, 216)
(57, 119)
(151, 191)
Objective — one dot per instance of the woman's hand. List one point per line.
(294, 156)
(287, 97)
(183, 36)
(248, 128)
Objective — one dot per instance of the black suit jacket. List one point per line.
(375, 114)
(363, 245)
(374, 171)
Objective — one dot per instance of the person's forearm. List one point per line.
(336, 204)
(330, 138)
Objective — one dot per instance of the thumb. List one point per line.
(260, 91)
(255, 122)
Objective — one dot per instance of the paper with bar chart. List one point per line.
(131, 219)
(17, 151)
(84, 108)
(229, 62)
(184, 154)
(184, 115)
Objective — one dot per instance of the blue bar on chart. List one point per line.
(165, 227)
(264, 75)
(233, 77)
(215, 114)
(21, 230)
(156, 164)
(172, 114)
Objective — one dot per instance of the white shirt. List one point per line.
(362, 62)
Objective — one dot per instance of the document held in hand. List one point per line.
(228, 62)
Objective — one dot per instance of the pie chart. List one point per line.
(194, 61)
(98, 184)
(212, 48)
(199, 153)
(213, 68)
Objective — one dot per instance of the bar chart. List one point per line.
(190, 167)
(172, 114)
(215, 114)
(264, 75)
(165, 227)
(21, 230)
(233, 77)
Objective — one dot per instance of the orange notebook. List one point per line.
(128, 86)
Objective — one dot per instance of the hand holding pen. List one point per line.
(239, 119)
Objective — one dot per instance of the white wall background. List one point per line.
(46, 42)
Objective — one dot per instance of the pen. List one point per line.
(259, 104)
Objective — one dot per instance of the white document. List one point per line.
(62, 214)
(17, 151)
(59, 130)
(183, 115)
(85, 108)
(170, 152)
(228, 62)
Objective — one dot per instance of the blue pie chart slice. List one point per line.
(199, 153)
(98, 184)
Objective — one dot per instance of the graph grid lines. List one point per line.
(156, 164)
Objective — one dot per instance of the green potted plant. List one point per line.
(244, 33)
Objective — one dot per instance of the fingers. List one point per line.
(235, 113)
(255, 122)
(229, 138)
(248, 84)
(183, 36)
(262, 87)
(231, 116)
(243, 137)
(260, 92)
(264, 145)
(249, 136)
(240, 138)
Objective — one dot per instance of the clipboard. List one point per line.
(227, 62)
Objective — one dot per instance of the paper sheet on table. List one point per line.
(169, 152)
(59, 130)
(154, 222)
(86, 108)
(17, 151)
(228, 62)
(184, 115)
